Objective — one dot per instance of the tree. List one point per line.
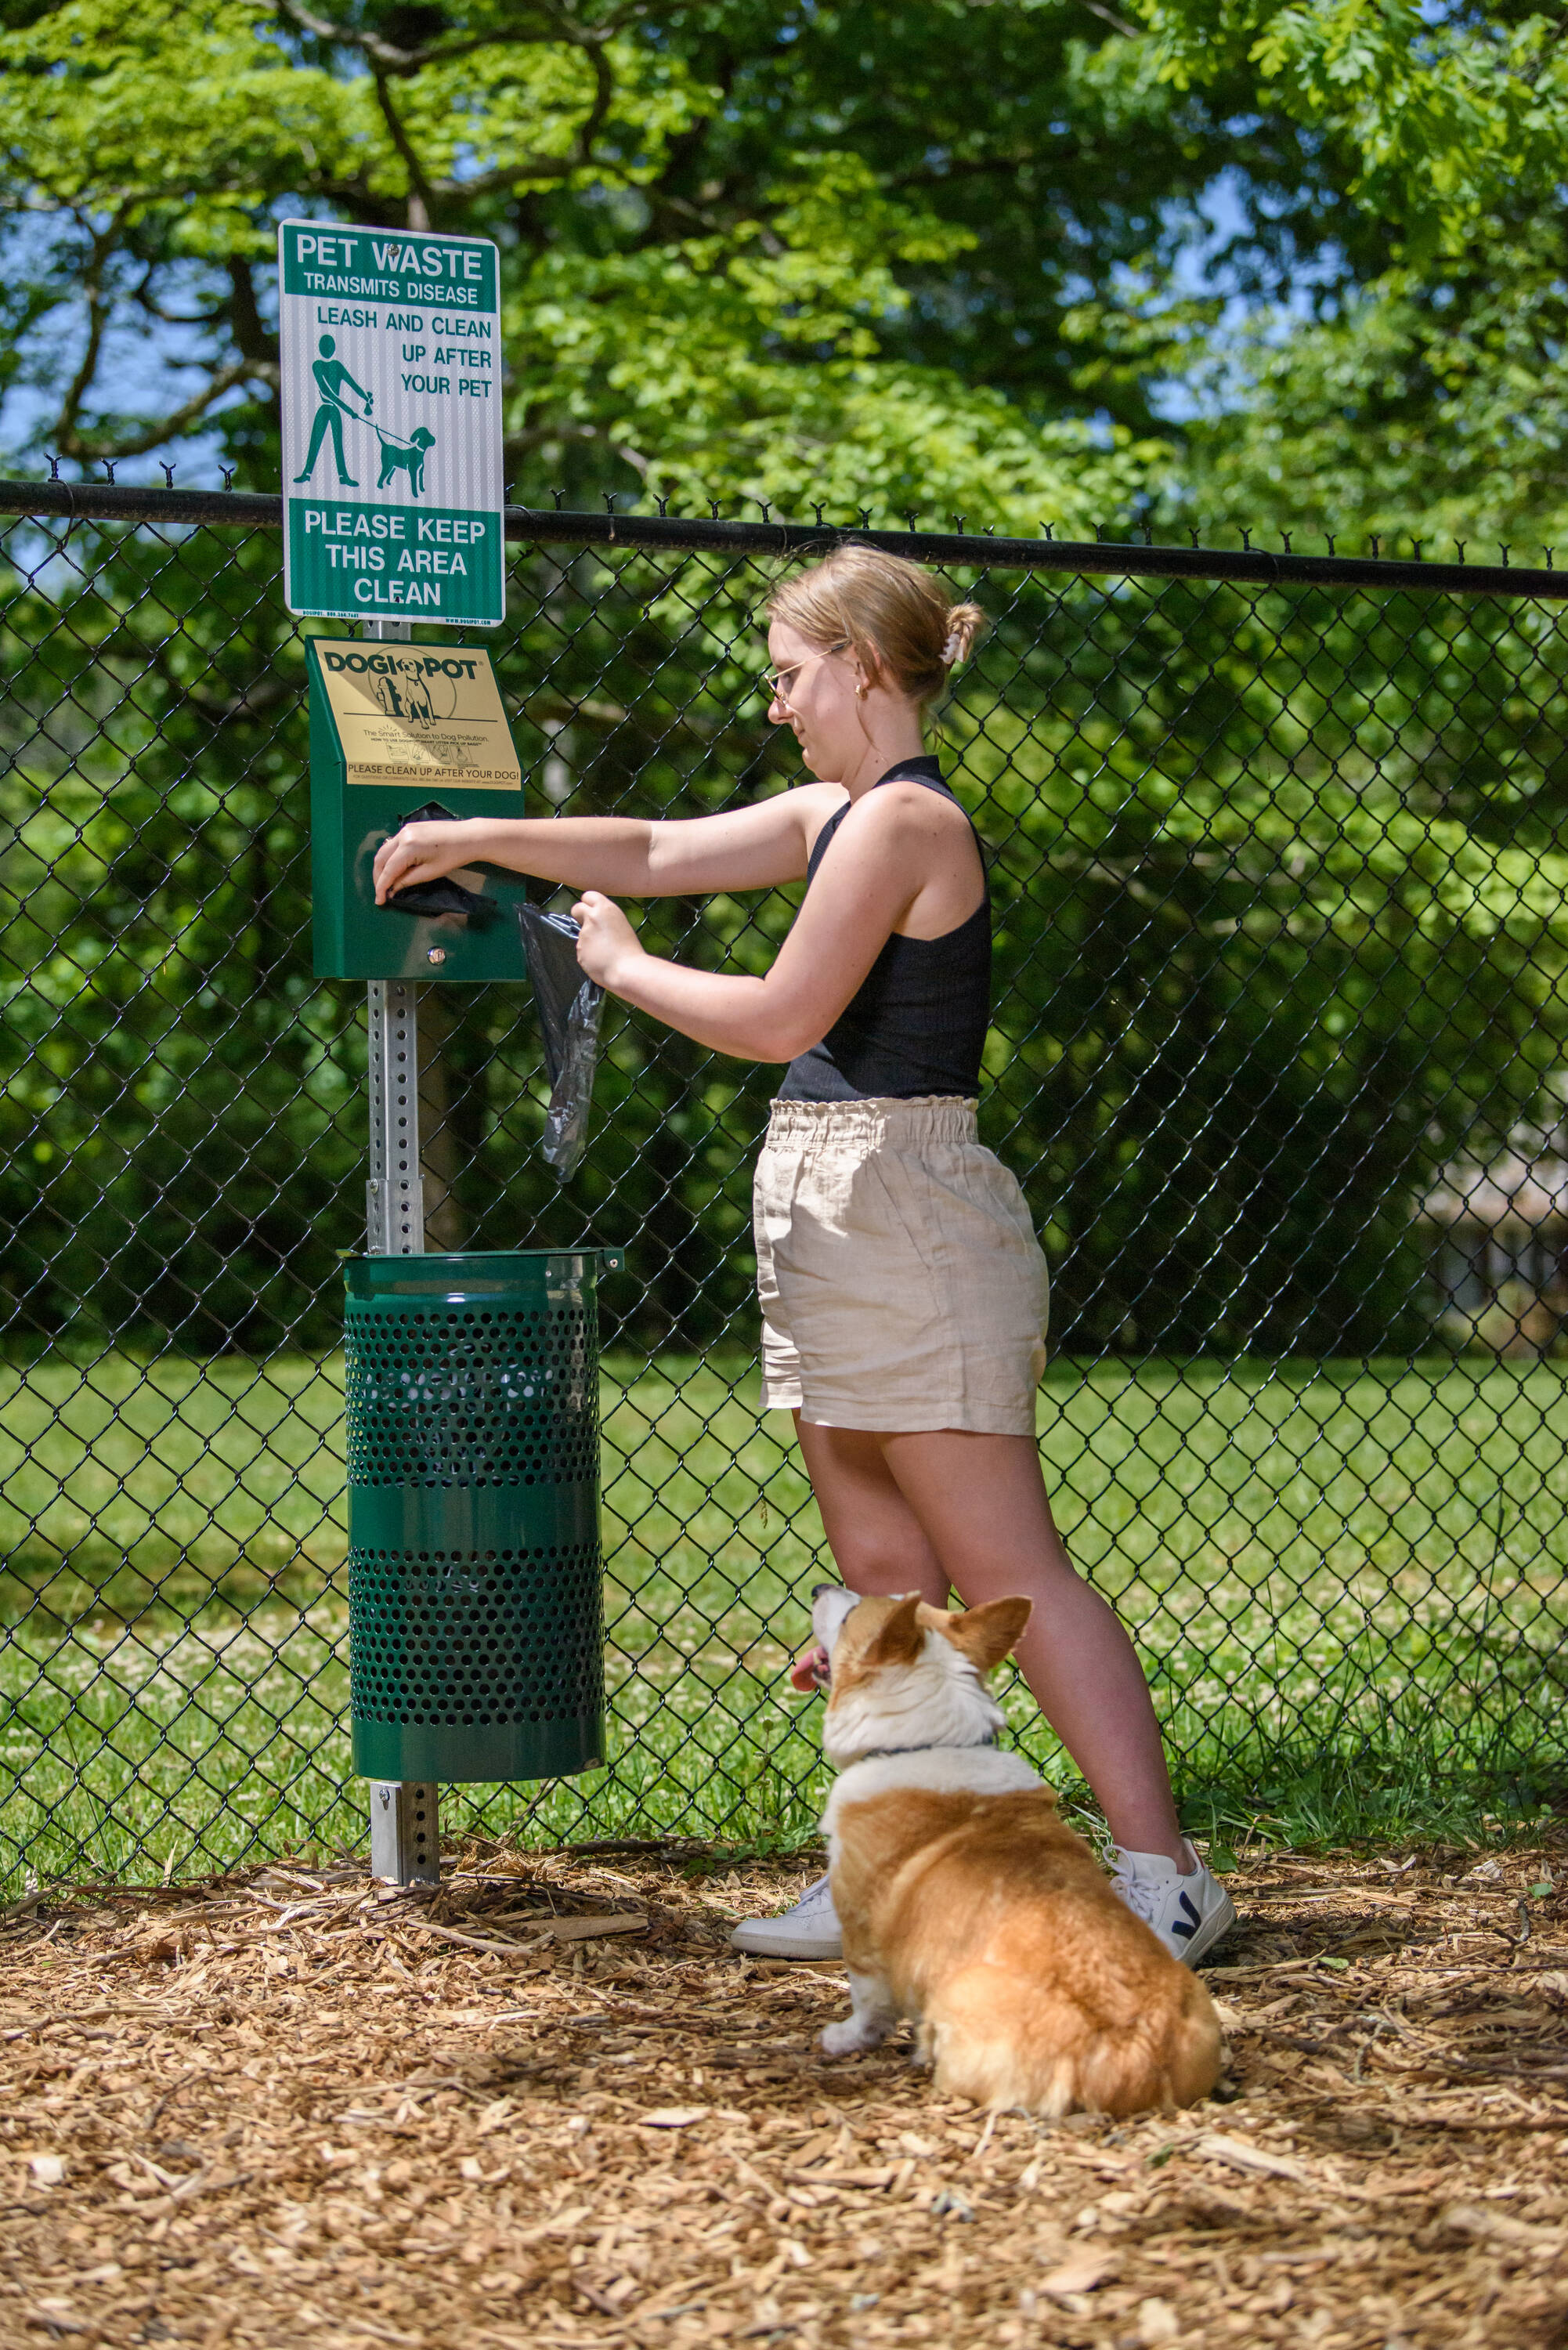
(885, 257)
(1427, 397)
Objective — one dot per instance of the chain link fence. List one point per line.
(1279, 1056)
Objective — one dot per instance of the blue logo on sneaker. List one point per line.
(1177, 1926)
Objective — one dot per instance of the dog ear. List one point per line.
(900, 1639)
(985, 1635)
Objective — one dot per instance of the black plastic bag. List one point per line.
(570, 1007)
(442, 897)
(446, 895)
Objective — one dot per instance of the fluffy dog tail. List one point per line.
(1005, 2044)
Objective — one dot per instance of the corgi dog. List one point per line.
(966, 1904)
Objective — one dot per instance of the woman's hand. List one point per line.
(608, 949)
(424, 852)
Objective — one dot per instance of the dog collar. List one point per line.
(883, 1753)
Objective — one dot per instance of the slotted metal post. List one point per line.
(405, 1831)
(394, 1196)
(405, 1817)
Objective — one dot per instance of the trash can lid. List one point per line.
(475, 1272)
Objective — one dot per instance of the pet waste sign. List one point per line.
(392, 484)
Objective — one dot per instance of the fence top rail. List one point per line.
(1121, 559)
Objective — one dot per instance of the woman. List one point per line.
(903, 1290)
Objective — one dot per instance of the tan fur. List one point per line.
(992, 1928)
(985, 1635)
(891, 1634)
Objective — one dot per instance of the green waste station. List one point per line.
(475, 1571)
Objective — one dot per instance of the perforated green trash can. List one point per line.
(476, 1632)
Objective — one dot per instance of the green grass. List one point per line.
(1349, 1585)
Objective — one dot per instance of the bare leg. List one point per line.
(923, 1511)
(875, 1538)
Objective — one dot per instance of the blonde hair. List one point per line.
(892, 613)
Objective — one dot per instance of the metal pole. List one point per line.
(394, 1196)
(405, 1817)
(405, 1831)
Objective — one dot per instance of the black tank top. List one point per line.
(916, 1022)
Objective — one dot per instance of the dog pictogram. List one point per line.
(406, 456)
(414, 697)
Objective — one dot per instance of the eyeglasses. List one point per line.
(779, 681)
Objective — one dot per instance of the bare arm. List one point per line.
(889, 848)
(740, 848)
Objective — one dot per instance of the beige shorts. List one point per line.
(900, 1279)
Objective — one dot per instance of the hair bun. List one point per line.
(965, 622)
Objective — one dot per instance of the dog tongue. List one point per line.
(810, 1670)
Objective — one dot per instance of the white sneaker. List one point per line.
(1188, 1909)
(809, 1930)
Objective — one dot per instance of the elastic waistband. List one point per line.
(928, 1118)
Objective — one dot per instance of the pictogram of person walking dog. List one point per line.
(335, 384)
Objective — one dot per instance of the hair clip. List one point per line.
(952, 649)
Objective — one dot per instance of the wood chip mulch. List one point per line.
(297, 2109)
